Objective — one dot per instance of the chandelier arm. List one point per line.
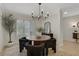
(40, 15)
(39, 10)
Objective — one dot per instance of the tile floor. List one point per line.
(69, 49)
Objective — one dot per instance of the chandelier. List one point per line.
(41, 13)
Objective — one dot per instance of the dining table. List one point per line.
(38, 39)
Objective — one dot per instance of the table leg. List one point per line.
(43, 51)
(46, 51)
(32, 42)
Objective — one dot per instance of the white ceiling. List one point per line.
(26, 8)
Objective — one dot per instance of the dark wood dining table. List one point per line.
(36, 40)
(39, 40)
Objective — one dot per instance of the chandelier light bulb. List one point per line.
(47, 13)
(42, 11)
(32, 11)
(32, 14)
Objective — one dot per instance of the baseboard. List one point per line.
(73, 40)
(59, 47)
(1, 50)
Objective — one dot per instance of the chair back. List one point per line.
(36, 50)
(22, 43)
(50, 43)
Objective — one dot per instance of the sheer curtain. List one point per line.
(20, 27)
(25, 28)
(32, 28)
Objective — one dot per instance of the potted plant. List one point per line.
(39, 31)
(8, 23)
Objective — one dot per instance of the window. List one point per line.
(25, 28)
(19, 28)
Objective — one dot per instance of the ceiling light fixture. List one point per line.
(41, 13)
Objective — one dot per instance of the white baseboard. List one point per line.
(1, 50)
(59, 47)
(70, 40)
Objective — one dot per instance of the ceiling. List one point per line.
(26, 8)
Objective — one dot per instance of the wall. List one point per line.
(6, 37)
(55, 20)
(1, 32)
(67, 27)
(5, 34)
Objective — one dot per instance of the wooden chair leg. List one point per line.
(76, 40)
(21, 48)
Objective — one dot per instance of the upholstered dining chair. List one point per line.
(36, 50)
(22, 43)
(50, 44)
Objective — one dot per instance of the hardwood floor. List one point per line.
(69, 49)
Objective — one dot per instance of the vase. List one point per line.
(38, 33)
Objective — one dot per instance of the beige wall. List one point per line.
(1, 32)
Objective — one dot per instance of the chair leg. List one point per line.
(21, 49)
(54, 50)
(46, 51)
(76, 40)
(43, 51)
